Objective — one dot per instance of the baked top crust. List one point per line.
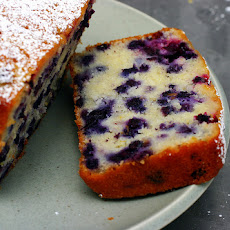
(148, 116)
(31, 32)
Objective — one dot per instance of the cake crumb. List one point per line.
(142, 162)
(110, 218)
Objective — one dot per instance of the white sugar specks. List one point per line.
(29, 30)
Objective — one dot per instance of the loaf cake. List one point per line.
(37, 38)
(149, 118)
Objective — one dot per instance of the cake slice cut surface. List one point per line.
(149, 118)
(37, 38)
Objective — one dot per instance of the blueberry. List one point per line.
(89, 150)
(38, 101)
(163, 126)
(174, 68)
(132, 127)
(31, 127)
(165, 52)
(184, 129)
(10, 129)
(103, 47)
(122, 89)
(186, 107)
(86, 60)
(183, 94)
(127, 72)
(166, 110)
(94, 118)
(92, 163)
(203, 79)
(162, 101)
(4, 152)
(126, 153)
(80, 102)
(136, 44)
(144, 68)
(206, 118)
(38, 86)
(21, 144)
(135, 151)
(79, 79)
(136, 104)
(20, 111)
(127, 85)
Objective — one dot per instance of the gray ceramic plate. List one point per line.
(44, 190)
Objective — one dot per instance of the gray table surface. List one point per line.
(207, 24)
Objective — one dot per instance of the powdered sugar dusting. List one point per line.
(29, 30)
(222, 144)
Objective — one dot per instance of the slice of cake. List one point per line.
(148, 116)
(37, 38)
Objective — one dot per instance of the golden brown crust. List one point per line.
(193, 163)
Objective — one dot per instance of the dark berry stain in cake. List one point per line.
(21, 144)
(136, 151)
(198, 173)
(166, 110)
(164, 51)
(31, 127)
(79, 79)
(141, 69)
(136, 104)
(79, 102)
(90, 161)
(136, 44)
(19, 113)
(94, 118)
(174, 68)
(38, 101)
(127, 85)
(127, 72)
(133, 126)
(4, 152)
(89, 150)
(185, 129)
(103, 47)
(87, 59)
(200, 80)
(206, 118)
(164, 126)
(187, 100)
(156, 177)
